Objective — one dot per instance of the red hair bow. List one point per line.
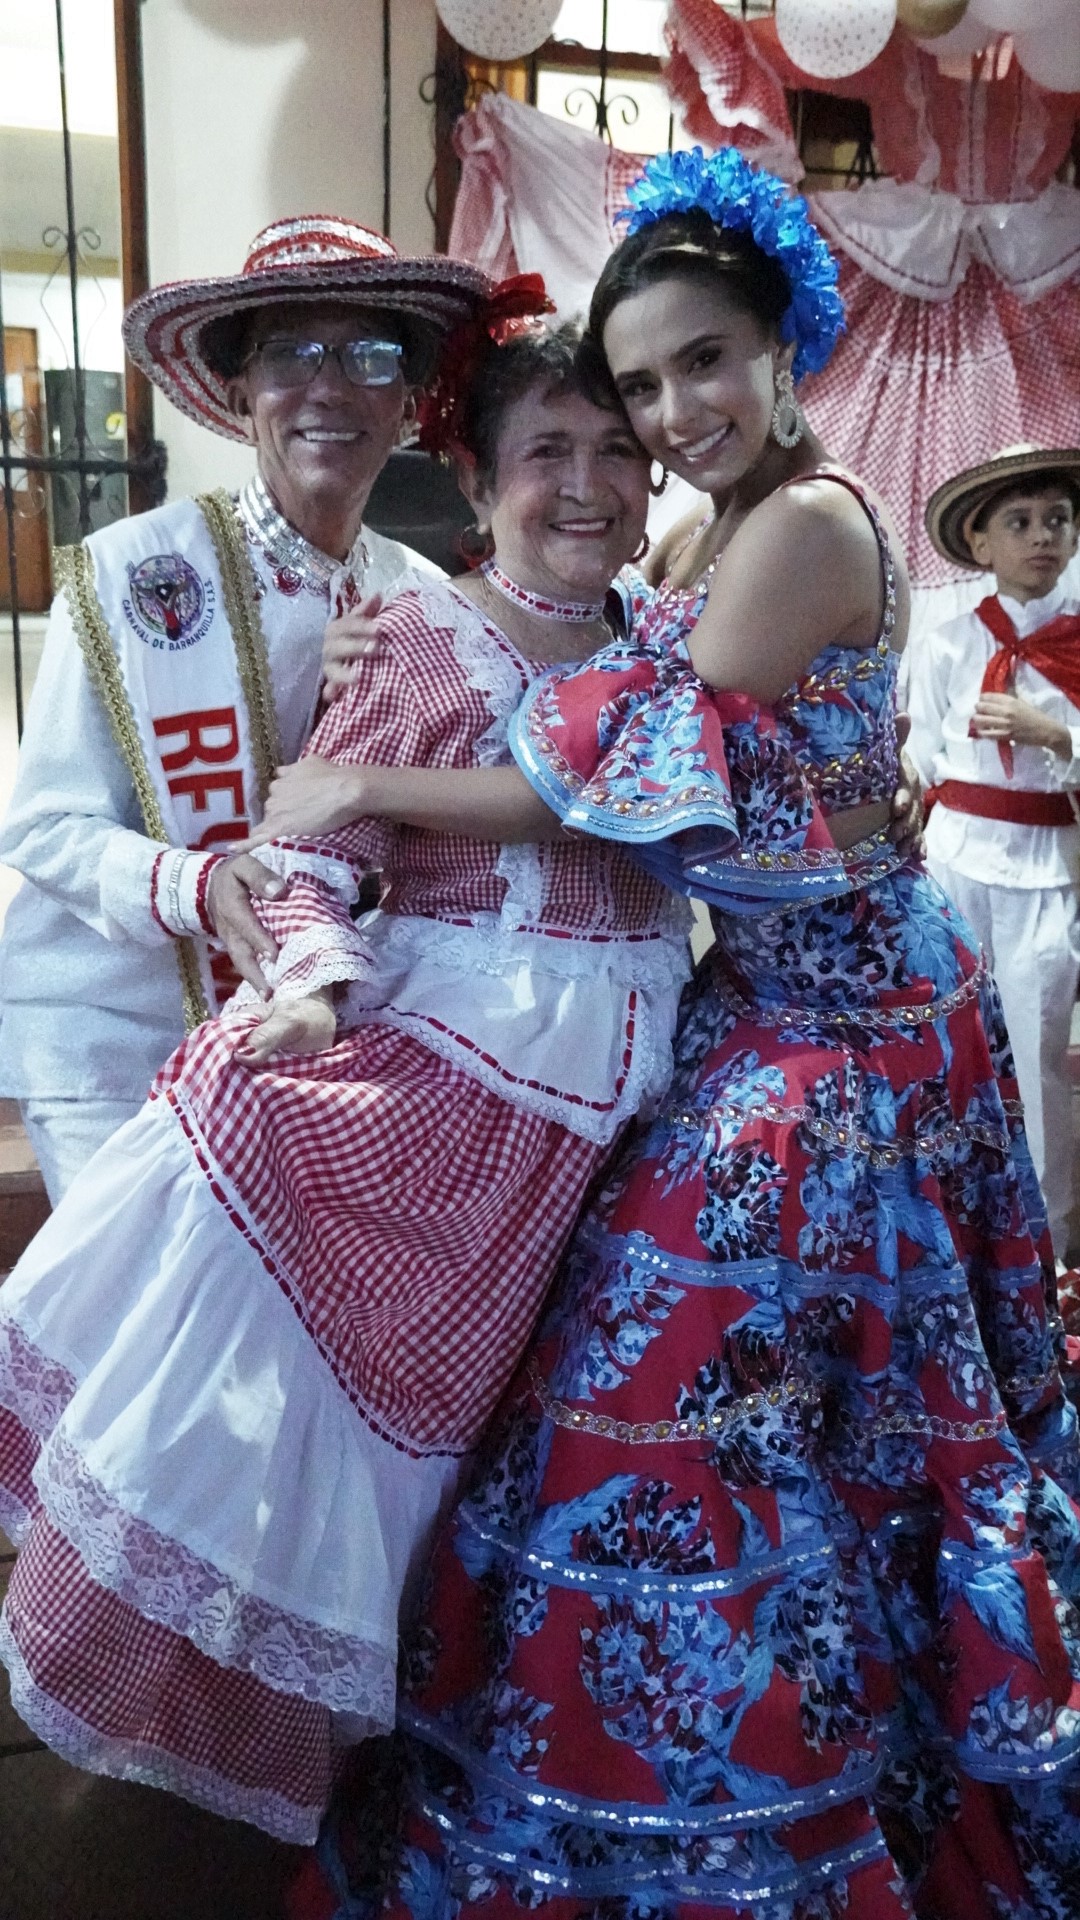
(512, 308)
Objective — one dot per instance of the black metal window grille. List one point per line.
(78, 461)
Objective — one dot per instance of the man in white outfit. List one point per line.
(995, 735)
(182, 665)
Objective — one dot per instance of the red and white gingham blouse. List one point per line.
(550, 972)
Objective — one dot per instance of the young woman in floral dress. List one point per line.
(762, 1599)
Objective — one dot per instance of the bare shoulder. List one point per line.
(813, 543)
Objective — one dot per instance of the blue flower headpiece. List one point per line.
(746, 199)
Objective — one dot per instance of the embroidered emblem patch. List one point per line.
(168, 604)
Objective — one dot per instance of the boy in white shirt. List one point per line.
(995, 734)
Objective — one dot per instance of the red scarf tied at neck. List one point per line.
(1053, 650)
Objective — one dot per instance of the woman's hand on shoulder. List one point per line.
(348, 642)
(802, 571)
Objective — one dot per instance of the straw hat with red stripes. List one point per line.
(951, 509)
(174, 332)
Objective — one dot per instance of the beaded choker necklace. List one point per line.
(574, 613)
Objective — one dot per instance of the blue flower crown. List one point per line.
(746, 199)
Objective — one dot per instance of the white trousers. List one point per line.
(1031, 938)
(65, 1134)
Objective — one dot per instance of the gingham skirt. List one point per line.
(239, 1370)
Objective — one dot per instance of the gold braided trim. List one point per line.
(73, 572)
(242, 613)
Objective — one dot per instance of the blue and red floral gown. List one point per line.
(762, 1601)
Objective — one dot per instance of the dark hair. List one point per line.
(1047, 480)
(227, 341)
(562, 359)
(690, 246)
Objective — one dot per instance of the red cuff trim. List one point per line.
(202, 885)
(154, 872)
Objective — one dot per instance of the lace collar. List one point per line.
(285, 548)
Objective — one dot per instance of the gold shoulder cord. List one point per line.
(73, 572)
(242, 613)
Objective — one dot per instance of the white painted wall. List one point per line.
(260, 108)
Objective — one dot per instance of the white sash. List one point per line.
(165, 610)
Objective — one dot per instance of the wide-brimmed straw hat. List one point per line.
(311, 257)
(952, 507)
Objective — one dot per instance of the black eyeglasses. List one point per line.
(293, 363)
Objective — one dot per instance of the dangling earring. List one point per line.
(646, 543)
(656, 487)
(788, 419)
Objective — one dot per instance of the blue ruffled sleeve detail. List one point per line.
(631, 746)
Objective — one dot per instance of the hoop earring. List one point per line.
(475, 544)
(646, 543)
(656, 487)
(788, 418)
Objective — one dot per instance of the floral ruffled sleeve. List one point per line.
(631, 746)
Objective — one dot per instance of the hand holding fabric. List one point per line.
(235, 922)
(1002, 716)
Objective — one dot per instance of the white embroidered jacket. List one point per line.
(90, 993)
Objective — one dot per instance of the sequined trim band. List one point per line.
(640, 1433)
(242, 613)
(73, 573)
(933, 1427)
(899, 1016)
(845, 1139)
(794, 1393)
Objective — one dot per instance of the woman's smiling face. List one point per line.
(697, 376)
(569, 496)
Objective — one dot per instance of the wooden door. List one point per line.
(26, 407)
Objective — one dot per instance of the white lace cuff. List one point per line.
(323, 956)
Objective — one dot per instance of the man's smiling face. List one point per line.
(322, 445)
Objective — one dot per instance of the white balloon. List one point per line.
(1051, 55)
(499, 29)
(1017, 16)
(831, 38)
(971, 36)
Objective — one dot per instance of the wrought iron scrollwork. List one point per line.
(603, 107)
